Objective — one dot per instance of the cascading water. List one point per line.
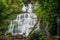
(46, 30)
(23, 23)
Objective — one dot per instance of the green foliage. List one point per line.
(9, 6)
(47, 13)
(46, 9)
(36, 36)
(3, 5)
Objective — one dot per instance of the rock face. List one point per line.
(22, 24)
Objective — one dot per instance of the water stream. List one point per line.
(23, 23)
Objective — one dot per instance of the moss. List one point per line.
(19, 36)
(9, 35)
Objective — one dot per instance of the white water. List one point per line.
(23, 23)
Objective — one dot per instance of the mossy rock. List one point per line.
(9, 35)
(1, 33)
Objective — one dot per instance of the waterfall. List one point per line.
(58, 27)
(46, 30)
(23, 23)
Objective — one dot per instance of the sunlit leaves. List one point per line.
(14, 6)
(3, 5)
(6, 5)
(7, 12)
(8, 2)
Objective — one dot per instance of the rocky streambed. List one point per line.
(10, 37)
